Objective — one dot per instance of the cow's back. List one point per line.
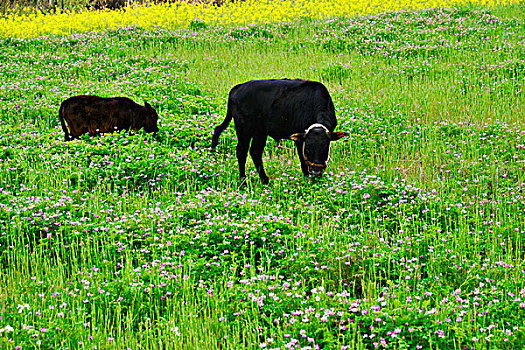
(281, 107)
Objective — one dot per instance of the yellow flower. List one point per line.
(181, 15)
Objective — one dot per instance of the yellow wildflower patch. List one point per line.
(180, 15)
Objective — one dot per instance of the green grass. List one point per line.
(412, 238)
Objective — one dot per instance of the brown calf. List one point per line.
(96, 115)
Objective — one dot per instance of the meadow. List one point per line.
(412, 239)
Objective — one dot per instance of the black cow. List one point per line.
(96, 115)
(300, 110)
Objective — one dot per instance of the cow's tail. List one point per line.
(221, 127)
(67, 137)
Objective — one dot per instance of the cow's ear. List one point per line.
(297, 137)
(337, 135)
(147, 105)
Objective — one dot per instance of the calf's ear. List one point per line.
(297, 137)
(147, 105)
(337, 135)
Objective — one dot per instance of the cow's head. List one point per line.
(150, 119)
(315, 146)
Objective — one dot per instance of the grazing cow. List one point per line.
(95, 115)
(300, 110)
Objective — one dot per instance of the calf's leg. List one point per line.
(256, 151)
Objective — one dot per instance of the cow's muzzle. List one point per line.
(315, 169)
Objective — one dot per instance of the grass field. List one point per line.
(413, 239)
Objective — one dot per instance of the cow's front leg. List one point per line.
(304, 167)
(256, 151)
(242, 152)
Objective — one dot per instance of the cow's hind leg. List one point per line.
(256, 151)
(304, 167)
(242, 152)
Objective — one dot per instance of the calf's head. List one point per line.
(315, 146)
(150, 119)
